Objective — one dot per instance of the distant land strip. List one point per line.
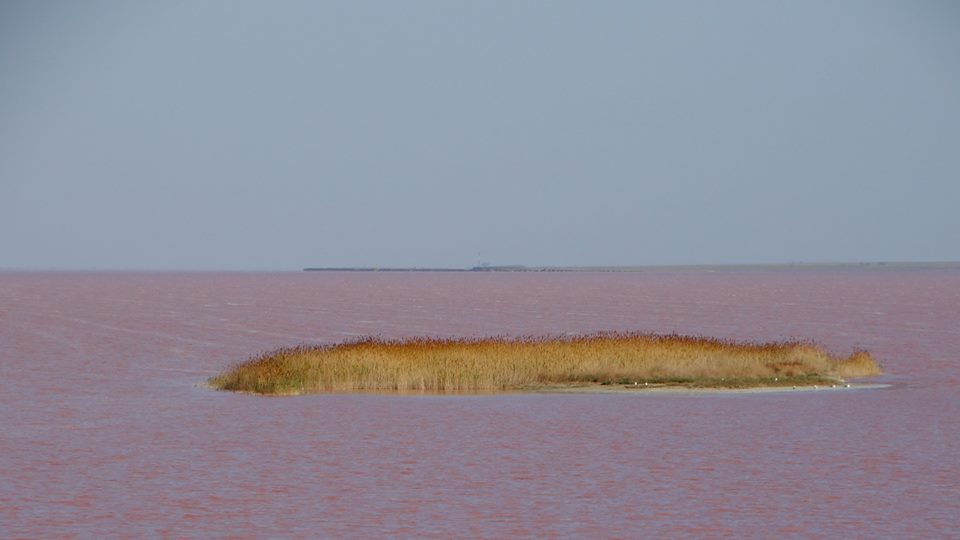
(705, 267)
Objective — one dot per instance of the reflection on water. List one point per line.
(107, 429)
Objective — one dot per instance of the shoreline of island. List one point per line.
(672, 390)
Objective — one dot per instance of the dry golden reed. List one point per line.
(497, 364)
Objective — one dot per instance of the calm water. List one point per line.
(105, 431)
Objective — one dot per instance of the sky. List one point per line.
(255, 135)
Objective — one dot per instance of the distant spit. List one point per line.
(706, 267)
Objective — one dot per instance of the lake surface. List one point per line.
(106, 429)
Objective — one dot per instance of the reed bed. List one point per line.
(531, 363)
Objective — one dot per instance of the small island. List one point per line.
(603, 362)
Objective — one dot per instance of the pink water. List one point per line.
(105, 429)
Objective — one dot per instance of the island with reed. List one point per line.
(604, 361)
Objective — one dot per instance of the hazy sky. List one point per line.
(277, 135)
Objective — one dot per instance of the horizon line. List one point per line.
(507, 268)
